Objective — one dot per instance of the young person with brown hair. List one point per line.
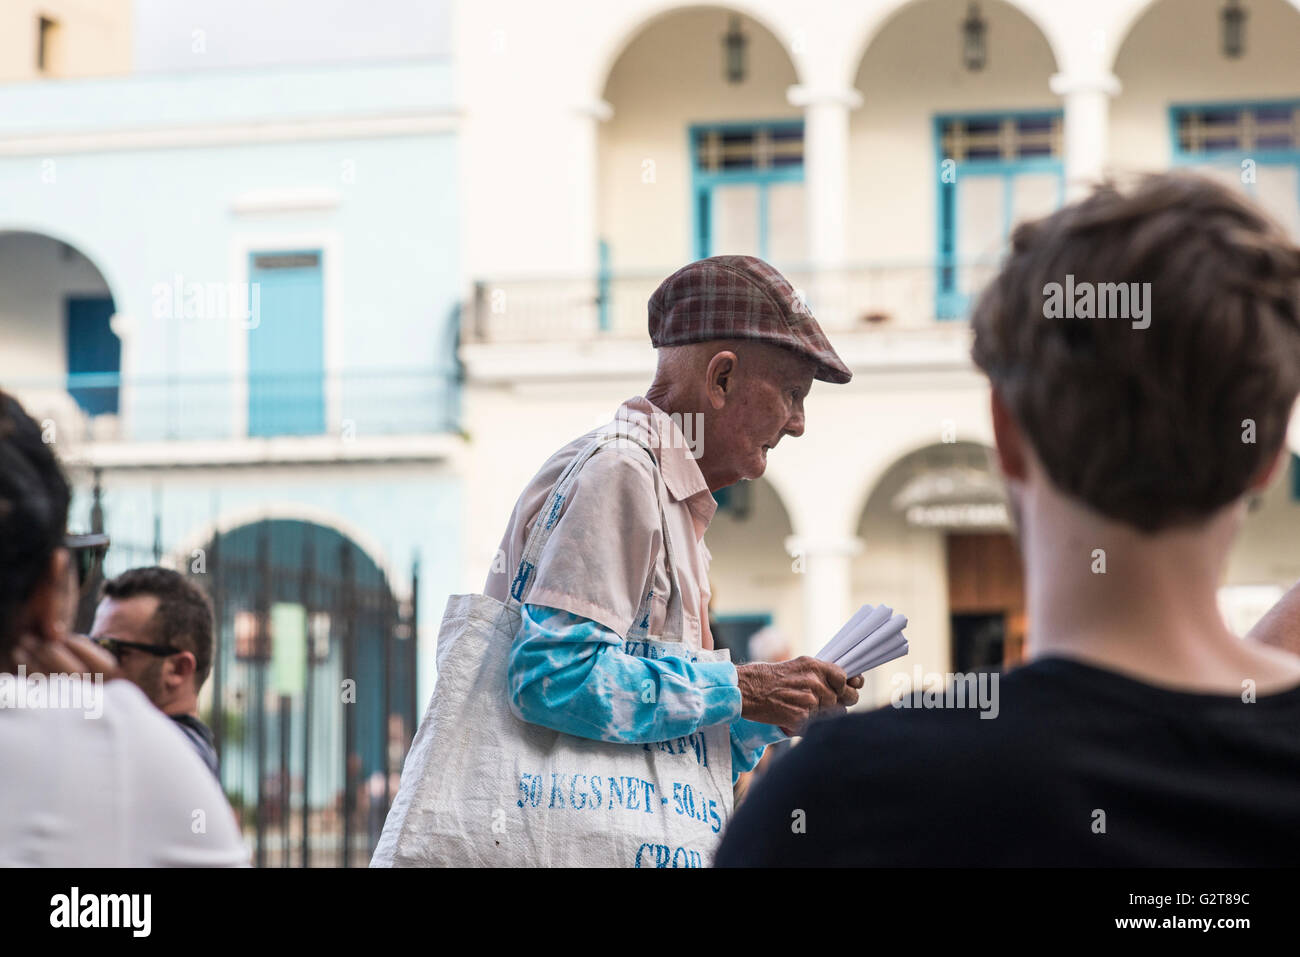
(1141, 731)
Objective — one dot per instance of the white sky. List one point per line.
(240, 33)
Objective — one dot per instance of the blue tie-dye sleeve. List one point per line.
(571, 674)
(748, 739)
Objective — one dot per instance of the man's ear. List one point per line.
(1264, 477)
(1009, 439)
(46, 611)
(182, 666)
(720, 377)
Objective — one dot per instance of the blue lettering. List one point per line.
(555, 510)
(660, 853)
(701, 749)
(679, 856)
(573, 797)
(521, 578)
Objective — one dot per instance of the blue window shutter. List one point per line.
(94, 354)
(286, 345)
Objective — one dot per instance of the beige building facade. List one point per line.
(53, 39)
(864, 151)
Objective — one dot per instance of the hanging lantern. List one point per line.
(1234, 30)
(974, 33)
(734, 43)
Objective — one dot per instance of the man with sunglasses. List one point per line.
(158, 625)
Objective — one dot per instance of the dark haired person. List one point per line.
(158, 624)
(94, 776)
(1141, 731)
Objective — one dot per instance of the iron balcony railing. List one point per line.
(613, 305)
(106, 406)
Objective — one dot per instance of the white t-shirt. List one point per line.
(124, 789)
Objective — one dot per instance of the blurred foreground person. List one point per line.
(93, 774)
(1141, 731)
(158, 625)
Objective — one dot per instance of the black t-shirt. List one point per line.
(1174, 778)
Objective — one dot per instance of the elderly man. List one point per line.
(738, 353)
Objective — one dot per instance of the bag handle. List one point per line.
(675, 612)
(540, 533)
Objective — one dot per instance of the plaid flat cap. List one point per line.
(739, 297)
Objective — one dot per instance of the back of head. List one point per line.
(1155, 420)
(184, 617)
(33, 512)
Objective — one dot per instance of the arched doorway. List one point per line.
(312, 695)
(938, 547)
(61, 355)
(756, 584)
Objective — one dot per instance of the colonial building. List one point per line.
(230, 292)
(879, 153)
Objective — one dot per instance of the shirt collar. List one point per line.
(679, 467)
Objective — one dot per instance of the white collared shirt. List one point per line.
(597, 561)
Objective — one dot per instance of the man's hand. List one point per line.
(788, 693)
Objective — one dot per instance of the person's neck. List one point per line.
(182, 706)
(1145, 605)
(673, 403)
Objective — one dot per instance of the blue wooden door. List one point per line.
(286, 345)
(94, 354)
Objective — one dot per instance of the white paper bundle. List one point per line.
(870, 638)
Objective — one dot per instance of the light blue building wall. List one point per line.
(163, 181)
(158, 221)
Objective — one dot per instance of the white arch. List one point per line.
(877, 19)
(901, 450)
(284, 511)
(629, 27)
(1129, 19)
(85, 248)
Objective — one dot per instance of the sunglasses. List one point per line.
(87, 556)
(114, 647)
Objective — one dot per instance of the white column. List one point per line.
(583, 182)
(1087, 108)
(826, 174)
(826, 165)
(580, 203)
(827, 581)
